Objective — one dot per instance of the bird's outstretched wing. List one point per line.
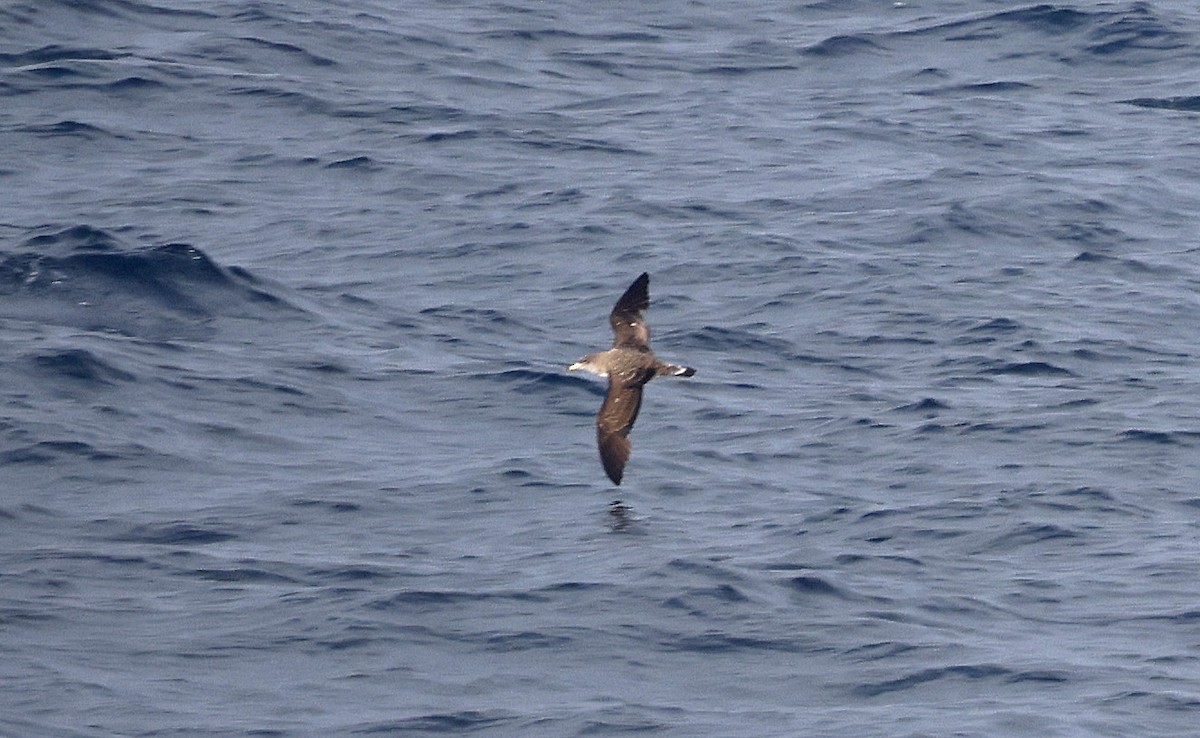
(613, 424)
(629, 328)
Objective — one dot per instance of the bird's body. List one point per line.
(629, 364)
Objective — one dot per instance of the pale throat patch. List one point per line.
(588, 367)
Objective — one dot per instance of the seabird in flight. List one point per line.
(629, 364)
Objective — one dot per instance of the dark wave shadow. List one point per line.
(88, 278)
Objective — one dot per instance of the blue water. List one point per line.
(288, 290)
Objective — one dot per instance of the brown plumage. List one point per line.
(629, 364)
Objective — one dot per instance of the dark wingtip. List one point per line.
(637, 297)
(614, 473)
(641, 284)
(614, 452)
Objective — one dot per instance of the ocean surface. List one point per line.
(288, 291)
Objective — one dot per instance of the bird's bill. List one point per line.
(577, 365)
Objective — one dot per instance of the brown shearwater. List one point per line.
(629, 364)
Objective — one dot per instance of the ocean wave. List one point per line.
(87, 277)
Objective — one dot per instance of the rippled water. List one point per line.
(287, 293)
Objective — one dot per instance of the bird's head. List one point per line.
(588, 364)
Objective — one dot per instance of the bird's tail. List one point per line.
(674, 370)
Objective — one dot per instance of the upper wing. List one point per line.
(613, 424)
(629, 328)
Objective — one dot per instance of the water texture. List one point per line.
(288, 290)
